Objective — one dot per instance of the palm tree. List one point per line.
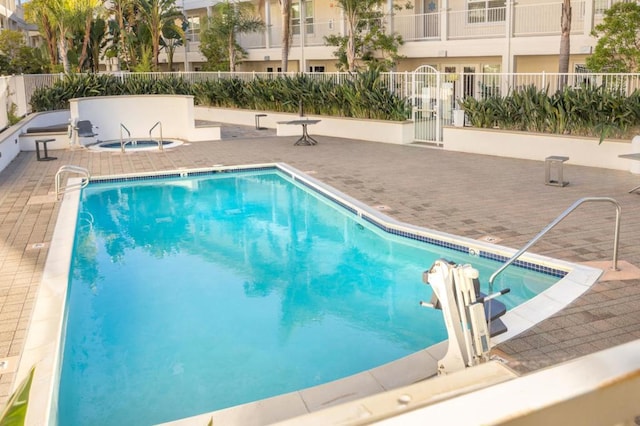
(86, 11)
(285, 8)
(63, 15)
(172, 36)
(124, 13)
(565, 42)
(36, 12)
(353, 13)
(157, 16)
(97, 42)
(228, 20)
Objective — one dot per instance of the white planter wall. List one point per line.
(139, 113)
(397, 132)
(530, 146)
(43, 119)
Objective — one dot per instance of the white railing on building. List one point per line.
(252, 40)
(468, 24)
(425, 26)
(544, 19)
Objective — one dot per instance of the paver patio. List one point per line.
(469, 195)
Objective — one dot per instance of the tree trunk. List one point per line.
(122, 56)
(156, 52)
(63, 51)
(232, 54)
(285, 6)
(50, 35)
(351, 42)
(85, 42)
(565, 42)
(170, 51)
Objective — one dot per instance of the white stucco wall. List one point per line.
(397, 132)
(139, 114)
(530, 146)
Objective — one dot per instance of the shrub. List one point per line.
(585, 111)
(363, 96)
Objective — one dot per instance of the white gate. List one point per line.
(432, 99)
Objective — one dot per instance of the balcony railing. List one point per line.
(544, 19)
(424, 26)
(477, 23)
(527, 20)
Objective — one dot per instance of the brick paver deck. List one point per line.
(468, 195)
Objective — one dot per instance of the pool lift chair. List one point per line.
(81, 129)
(470, 316)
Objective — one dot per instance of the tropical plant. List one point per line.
(16, 57)
(160, 16)
(126, 31)
(565, 42)
(74, 86)
(618, 46)
(366, 39)
(97, 42)
(35, 11)
(86, 10)
(285, 10)
(227, 21)
(365, 95)
(15, 412)
(585, 110)
(62, 14)
(173, 36)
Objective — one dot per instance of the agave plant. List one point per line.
(364, 95)
(584, 110)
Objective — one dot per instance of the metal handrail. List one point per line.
(160, 143)
(564, 214)
(70, 169)
(122, 142)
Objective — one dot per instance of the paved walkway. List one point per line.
(469, 195)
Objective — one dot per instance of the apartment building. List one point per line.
(12, 18)
(451, 35)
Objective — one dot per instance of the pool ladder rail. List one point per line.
(129, 140)
(472, 318)
(122, 141)
(160, 142)
(60, 189)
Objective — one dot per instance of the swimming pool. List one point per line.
(360, 223)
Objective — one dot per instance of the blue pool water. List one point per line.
(189, 295)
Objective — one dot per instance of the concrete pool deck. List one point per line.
(475, 196)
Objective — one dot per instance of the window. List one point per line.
(485, 11)
(295, 16)
(316, 68)
(601, 6)
(193, 31)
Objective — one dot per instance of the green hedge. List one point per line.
(584, 111)
(363, 96)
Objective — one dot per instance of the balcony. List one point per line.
(527, 20)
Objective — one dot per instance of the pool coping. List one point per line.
(96, 147)
(43, 342)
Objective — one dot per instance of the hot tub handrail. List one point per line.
(122, 142)
(564, 214)
(160, 143)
